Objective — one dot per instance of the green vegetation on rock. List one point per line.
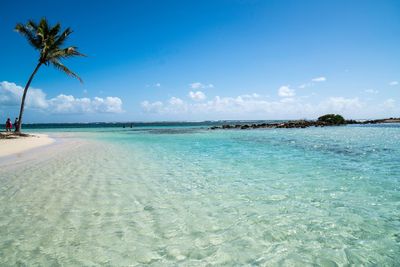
(332, 119)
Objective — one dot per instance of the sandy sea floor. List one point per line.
(195, 198)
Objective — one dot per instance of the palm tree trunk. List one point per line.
(21, 111)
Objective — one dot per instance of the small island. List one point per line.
(323, 121)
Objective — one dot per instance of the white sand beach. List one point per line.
(9, 147)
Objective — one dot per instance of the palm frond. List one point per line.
(73, 51)
(65, 53)
(62, 37)
(31, 24)
(44, 25)
(58, 65)
(55, 30)
(43, 29)
(48, 40)
(29, 35)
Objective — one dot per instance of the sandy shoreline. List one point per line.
(11, 147)
(37, 149)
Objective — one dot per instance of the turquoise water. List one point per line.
(168, 196)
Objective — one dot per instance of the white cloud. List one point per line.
(393, 83)
(36, 98)
(371, 91)
(195, 85)
(319, 79)
(304, 85)
(253, 95)
(341, 105)
(110, 104)
(256, 107)
(313, 81)
(288, 100)
(174, 105)
(198, 85)
(11, 94)
(158, 85)
(285, 91)
(68, 104)
(197, 96)
(389, 103)
(155, 107)
(177, 105)
(175, 101)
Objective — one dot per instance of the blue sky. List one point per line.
(208, 60)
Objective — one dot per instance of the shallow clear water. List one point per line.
(192, 197)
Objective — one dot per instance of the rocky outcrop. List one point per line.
(289, 124)
(388, 120)
(304, 124)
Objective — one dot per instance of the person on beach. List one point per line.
(8, 125)
(16, 124)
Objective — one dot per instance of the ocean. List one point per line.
(168, 195)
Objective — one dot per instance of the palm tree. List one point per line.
(48, 41)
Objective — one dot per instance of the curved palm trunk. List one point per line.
(21, 111)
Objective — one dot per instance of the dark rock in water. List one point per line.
(323, 121)
(389, 120)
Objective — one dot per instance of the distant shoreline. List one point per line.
(178, 123)
(302, 124)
